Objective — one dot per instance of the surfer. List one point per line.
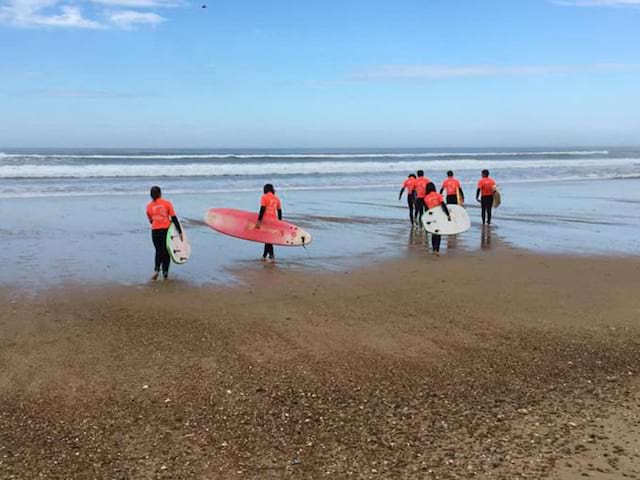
(270, 207)
(484, 195)
(432, 200)
(410, 185)
(453, 188)
(420, 191)
(160, 213)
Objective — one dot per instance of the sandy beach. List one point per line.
(488, 365)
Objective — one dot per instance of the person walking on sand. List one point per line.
(410, 186)
(270, 207)
(432, 200)
(453, 189)
(421, 192)
(160, 213)
(484, 195)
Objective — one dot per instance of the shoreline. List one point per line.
(65, 240)
(398, 370)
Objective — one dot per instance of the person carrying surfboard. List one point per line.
(484, 195)
(455, 195)
(270, 207)
(421, 192)
(410, 186)
(432, 200)
(160, 213)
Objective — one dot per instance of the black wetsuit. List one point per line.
(452, 200)
(419, 209)
(268, 247)
(486, 202)
(435, 238)
(411, 203)
(159, 238)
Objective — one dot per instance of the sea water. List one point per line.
(78, 215)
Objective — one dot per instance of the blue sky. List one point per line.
(167, 73)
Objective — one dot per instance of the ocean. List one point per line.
(48, 173)
(77, 216)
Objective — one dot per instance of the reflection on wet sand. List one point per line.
(416, 236)
(485, 237)
(452, 242)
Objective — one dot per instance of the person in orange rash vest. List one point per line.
(421, 192)
(452, 187)
(432, 200)
(160, 213)
(410, 186)
(270, 207)
(484, 195)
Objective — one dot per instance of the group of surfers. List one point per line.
(421, 195)
(161, 214)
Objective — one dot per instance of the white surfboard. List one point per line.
(179, 250)
(435, 220)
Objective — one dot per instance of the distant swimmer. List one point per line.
(432, 200)
(410, 186)
(421, 192)
(160, 213)
(484, 195)
(270, 207)
(455, 195)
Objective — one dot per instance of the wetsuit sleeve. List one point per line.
(444, 207)
(477, 193)
(176, 222)
(261, 214)
(461, 192)
(401, 192)
(279, 214)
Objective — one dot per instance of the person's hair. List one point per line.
(450, 173)
(420, 173)
(268, 188)
(431, 187)
(156, 193)
(412, 175)
(485, 173)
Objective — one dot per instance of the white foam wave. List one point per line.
(294, 168)
(287, 156)
(236, 190)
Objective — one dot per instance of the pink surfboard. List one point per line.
(241, 224)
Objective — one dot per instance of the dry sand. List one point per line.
(487, 366)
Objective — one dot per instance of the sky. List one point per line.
(294, 73)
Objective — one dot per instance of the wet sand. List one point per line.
(80, 240)
(502, 365)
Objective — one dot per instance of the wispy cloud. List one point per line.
(80, 94)
(437, 72)
(70, 14)
(598, 3)
(140, 3)
(33, 13)
(128, 19)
